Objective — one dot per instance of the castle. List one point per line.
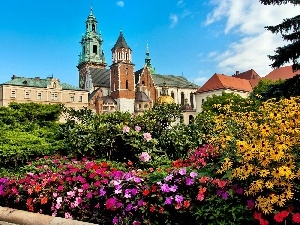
(121, 87)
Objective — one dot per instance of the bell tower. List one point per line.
(91, 54)
(122, 82)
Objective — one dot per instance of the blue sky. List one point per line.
(190, 37)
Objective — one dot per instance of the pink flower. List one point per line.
(145, 157)
(147, 136)
(68, 215)
(60, 188)
(137, 128)
(193, 174)
(126, 129)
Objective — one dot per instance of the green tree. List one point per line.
(289, 31)
(263, 87)
(216, 103)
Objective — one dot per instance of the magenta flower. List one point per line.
(128, 207)
(134, 191)
(165, 188)
(182, 171)
(102, 191)
(115, 220)
(178, 199)
(147, 136)
(60, 188)
(111, 203)
(193, 174)
(189, 181)
(173, 188)
(250, 204)
(169, 177)
(89, 195)
(169, 200)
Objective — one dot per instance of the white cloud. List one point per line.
(180, 3)
(212, 54)
(200, 80)
(246, 20)
(174, 20)
(120, 3)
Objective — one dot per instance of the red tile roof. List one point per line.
(250, 75)
(221, 81)
(283, 73)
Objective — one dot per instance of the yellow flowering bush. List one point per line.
(260, 149)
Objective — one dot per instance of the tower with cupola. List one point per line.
(91, 54)
(122, 79)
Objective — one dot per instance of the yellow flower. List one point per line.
(288, 194)
(273, 198)
(264, 173)
(269, 184)
(281, 201)
(276, 173)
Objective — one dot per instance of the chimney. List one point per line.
(37, 78)
(14, 77)
(237, 72)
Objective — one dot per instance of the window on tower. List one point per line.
(93, 27)
(83, 49)
(126, 84)
(95, 49)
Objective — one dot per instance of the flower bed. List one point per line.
(99, 193)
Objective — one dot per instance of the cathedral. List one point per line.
(119, 86)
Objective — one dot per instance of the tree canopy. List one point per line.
(290, 32)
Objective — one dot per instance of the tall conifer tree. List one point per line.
(289, 30)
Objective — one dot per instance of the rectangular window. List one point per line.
(13, 94)
(80, 99)
(72, 98)
(27, 94)
(54, 96)
(39, 95)
(95, 49)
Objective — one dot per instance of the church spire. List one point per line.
(148, 60)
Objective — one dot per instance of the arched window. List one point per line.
(93, 27)
(192, 99)
(182, 98)
(172, 95)
(126, 84)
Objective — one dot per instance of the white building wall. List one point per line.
(201, 97)
(125, 105)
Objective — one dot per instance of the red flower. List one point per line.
(186, 204)
(44, 200)
(257, 215)
(152, 208)
(161, 210)
(278, 217)
(263, 222)
(146, 192)
(296, 217)
(154, 188)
